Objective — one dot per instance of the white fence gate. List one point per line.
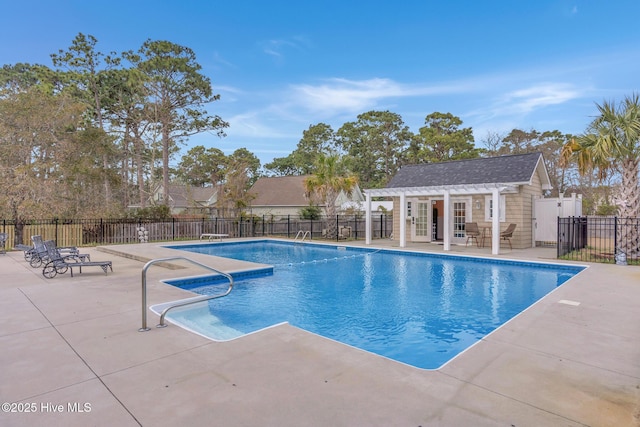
(546, 212)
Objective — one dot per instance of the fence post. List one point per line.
(355, 226)
(615, 236)
(572, 233)
(288, 226)
(558, 237)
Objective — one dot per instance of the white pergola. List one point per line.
(445, 191)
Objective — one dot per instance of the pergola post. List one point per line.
(367, 225)
(403, 219)
(447, 220)
(495, 222)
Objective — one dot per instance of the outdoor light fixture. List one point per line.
(477, 204)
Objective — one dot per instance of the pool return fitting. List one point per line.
(180, 303)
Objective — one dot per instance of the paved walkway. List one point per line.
(71, 355)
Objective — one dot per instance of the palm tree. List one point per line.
(612, 143)
(327, 183)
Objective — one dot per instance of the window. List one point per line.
(488, 208)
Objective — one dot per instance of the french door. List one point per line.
(421, 227)
(459, 220)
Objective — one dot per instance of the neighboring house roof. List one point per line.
(279, 191)
(511, 170)
(290, 191)
(184, 196)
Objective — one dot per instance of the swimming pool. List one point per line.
(417, 308)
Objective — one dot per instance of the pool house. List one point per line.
(434, 202)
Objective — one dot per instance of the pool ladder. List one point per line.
(302, 233)
(180, 303)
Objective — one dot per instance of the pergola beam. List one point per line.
(454, 190)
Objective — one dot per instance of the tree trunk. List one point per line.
(330, 209)
(138, 146)
(165, 164)
(126, 164)
(628, 234)
(19, 232)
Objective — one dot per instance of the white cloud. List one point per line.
(522, 108)
(340, 95)
(276, 47)
(220, 61)
(497, 101)
(540, 96)
(256, 124)
(336, 96)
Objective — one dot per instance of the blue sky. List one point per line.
(281, 66)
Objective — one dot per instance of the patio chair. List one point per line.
(3, 243)
(59, 264)
(508, 234)
(28, 251)
(40, 255)
(473, 232)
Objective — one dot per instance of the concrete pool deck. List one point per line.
(71, 355)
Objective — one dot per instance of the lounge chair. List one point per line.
(59, 264)
(508, 234)
(473, 232)
(28, 251)
(211, 236)
(39, 254)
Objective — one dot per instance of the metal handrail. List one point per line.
(180, 303)
(304, 235)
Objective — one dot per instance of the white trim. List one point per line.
(453, 190)
(545, 180)
(448, 226)
(403, 220)
(367, 229)
(495, 224)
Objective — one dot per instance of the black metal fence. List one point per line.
(599, 239)
(86, 232)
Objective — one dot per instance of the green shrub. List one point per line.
(310, 212)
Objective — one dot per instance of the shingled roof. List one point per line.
(188, 196)
(513, 169)
(279, 191)
(290, 191)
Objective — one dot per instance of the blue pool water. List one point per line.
(416, 308)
